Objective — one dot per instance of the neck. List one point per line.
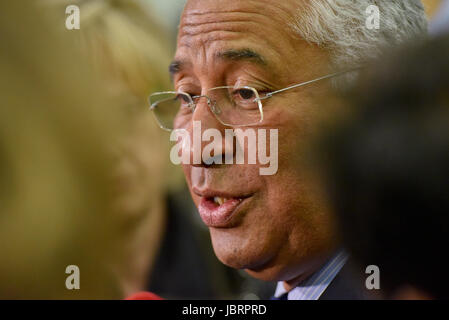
(291, 284)
(314, 266)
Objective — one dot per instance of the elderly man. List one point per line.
(252, 65)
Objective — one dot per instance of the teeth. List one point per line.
(220, 200)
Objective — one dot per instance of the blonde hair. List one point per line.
(127, 44)
(122, 37)
(55, 124)
(129, 51)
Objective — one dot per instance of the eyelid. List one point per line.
(190, 89)
(187, 83)
(253, 81)
(242, 83)
(256, 85)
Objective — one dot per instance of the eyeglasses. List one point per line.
(232, 106)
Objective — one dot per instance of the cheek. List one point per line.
(286, 193)
(296, 199)
(187, 169)
(300, 214)
(282, 199)
(293, 123)
(295, 135)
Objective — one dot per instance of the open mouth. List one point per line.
(220, 200)
(218, 211)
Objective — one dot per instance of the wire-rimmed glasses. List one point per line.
(232, 106)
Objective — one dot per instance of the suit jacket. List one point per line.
(347, 285)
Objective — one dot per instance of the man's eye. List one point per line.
(245, 94)
(183, 99)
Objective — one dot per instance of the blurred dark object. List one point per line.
(387, 169)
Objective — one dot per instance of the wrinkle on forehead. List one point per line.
(215, 26)
(262, 8)
(221, 32)
(230, 25)
(235, 15)
(228, 28)
(197, 17)
(211, 26)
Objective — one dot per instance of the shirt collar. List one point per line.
(314, 286)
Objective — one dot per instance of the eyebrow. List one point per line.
(243, 55)
(232, 54)
(175, 67)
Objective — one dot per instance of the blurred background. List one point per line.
(85, 177)
(85, 173)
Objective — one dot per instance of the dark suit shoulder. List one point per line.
(347, 285)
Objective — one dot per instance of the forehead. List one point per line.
(210, 27)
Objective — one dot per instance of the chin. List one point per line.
(261, 268)
(238, 253)
(269, 274)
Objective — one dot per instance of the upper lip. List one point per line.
(208, 193)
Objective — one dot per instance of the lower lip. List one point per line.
(214, 215)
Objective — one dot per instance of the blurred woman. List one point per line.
(128, 50)
(56, 125)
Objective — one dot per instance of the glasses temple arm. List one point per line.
(269, 95)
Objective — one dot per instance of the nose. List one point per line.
(208, 143)
(204, 112)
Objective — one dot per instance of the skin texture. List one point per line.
(284, 231)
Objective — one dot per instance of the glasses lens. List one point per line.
(236, 106)
(167, 107)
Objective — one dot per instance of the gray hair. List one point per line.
(339, 26)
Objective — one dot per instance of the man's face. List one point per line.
(281, 229)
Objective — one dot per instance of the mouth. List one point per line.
(218, 211)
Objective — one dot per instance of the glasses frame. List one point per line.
(210, 102)
(258, 99)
